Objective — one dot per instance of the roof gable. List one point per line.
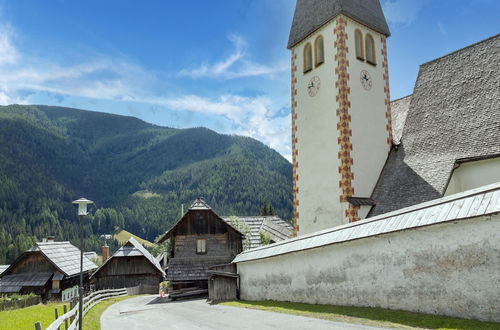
(64, 256)
(310, 15)
(198, 205)
(132, 248)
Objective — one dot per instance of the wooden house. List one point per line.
(46, 269)
(199, 240)
(131, 265)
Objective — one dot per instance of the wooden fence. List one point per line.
(70, 319)
(19, 303)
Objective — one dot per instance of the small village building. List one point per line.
(47, 269)
(199, 240)
(132, 265)
(275, 228)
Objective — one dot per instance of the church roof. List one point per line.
(453, 114)
(310, 15)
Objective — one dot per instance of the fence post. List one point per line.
(38, 326)
(56, 312)
(65, 310)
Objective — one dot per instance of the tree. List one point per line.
(266, 208)
(243, 228)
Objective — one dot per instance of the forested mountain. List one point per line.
(138, 175)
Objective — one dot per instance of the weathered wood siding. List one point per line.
(222, 288)
(124, 272)
(223, 243)
(33, 263)
(221, 239)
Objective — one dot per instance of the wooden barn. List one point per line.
(131, 265)
(46, 269)
(199, 240)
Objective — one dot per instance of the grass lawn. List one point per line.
(367, 316)
(25, 318)
(92, 319)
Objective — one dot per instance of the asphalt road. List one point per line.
(149, 312)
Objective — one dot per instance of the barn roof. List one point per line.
(197, 205)
(310, 15)
(64, 256)
(274, 226)
(133, 249)
(453, 114)
(15, 282)
(462, 206)
(192, 269)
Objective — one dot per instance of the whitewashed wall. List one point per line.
(451, 269)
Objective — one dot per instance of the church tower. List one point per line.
(341, 120)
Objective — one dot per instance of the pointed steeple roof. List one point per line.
(310, 15)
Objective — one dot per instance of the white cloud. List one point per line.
(256, 117)
(106, 78)
(402, 11)
(8, 53)
(237, 65)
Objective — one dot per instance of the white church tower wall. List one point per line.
(341, 129)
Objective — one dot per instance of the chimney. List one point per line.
(50, 239)
(105, 253)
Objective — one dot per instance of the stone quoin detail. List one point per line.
(343, 125)
(386, 89)
(294, 146)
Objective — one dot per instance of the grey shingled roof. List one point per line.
(310, 15)
(277, 229)
(462, 206)
(14, 282)
(399, 111)
(64, 256)
(454, 113)
(133, 249)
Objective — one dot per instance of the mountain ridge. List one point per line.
(51, 155)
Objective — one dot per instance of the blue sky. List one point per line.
(222, 64)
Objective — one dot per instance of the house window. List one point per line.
(358, 39)
(201, 246)
(307, 58)
(319, 52)
(370, 49)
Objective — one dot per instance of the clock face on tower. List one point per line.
(366, 80)
(313, 86)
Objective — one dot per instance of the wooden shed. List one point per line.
(223, 283)
(131, 265)
(199, 240)
(46, 269)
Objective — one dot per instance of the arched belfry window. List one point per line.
(358, 39)
(319, 51)
(308, 63)
(370, 49)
